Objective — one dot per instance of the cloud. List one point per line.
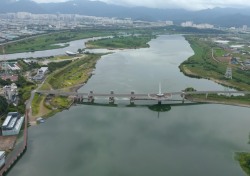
(47, 1)
(186, 4)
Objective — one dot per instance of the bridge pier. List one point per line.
(159, 102)
(91, 97)
(81, 99)
(183, 97)
(132, 98)
(112, 98)
(206, 95)
(77, 99)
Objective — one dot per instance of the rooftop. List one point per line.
(2, 153)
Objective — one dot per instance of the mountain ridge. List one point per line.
(226, 17)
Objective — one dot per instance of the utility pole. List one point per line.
(229, 73)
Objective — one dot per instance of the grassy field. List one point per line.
(202, 65)
(77, 72)
(46, 42)
(218, 52)
(43, 108)
(130, 42)
(36, 103)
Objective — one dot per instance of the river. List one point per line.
(135, 141)
(73, 46)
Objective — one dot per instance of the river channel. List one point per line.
(73, 46)
(135, 141)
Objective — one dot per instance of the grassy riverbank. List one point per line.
(49, 41)
(75, 73)
(121, 42)
(222, 99)
(203, 65)
(66, 78)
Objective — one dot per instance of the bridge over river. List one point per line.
(132, 96)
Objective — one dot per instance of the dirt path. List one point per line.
(42, 111)
(7, 142)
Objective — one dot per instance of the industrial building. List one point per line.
(12, 124)
(2, 158)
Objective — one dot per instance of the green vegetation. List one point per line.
(189, 89)
(139, 41)
(49, 41)
(77, 72)
(160, 108)
(60, 102)
(36, 103)
(219, 52)
(27, 67)
(52, 66)
(46, 106)
(4, 82)
(24, 89)
(244, 160)
(4, 106)
(202, 65)
(223, 98)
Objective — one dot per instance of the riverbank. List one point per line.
(222, 100)
(203, 65)
(68, 78)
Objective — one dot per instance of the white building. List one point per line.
(10, 92)
(13, 66)
(40, 74)
(2, 158)
(169, 23)
(187, 24)
(12, 124)
(244, 27)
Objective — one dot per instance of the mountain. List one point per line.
(227, 17)
(20, 6)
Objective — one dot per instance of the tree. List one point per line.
(4, 105)
(80, 50)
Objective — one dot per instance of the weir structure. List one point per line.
(132, 96)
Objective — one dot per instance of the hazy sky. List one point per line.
(186, 4)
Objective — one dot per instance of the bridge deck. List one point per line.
(152, 95)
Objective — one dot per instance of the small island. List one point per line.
(121, 42)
